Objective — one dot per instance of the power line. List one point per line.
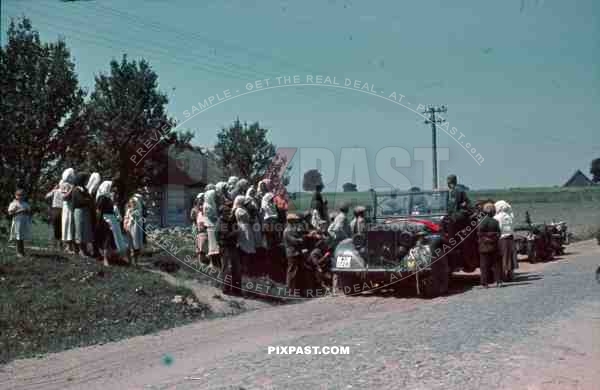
(240, 73)
(430, 111)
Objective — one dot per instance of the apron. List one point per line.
(113, 223)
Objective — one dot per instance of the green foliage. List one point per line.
(349, 187)
(129, 129)
(40, 111)
(312, 178)
(245, 151)
(595, 170)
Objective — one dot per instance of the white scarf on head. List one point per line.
(104, 189)
(68, 175)
(93, 183)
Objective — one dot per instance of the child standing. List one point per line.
(132, 228)
(20, 229)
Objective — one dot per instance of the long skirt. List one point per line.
(506, 246)
(259, 239)
(246, 238)
(213, 244)
(202, 243)
(68, 222)
(136, 233)
(21, 228)
(55, 220)
(110, 235)
(83, 225)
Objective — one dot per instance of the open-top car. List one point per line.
(407, 239)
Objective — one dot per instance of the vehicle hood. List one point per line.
(431, 224)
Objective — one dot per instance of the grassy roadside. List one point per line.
(49, 303)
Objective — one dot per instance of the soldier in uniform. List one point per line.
(489, 254)
(458, 202)
(459, 211)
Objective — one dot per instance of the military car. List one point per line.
(407, 240)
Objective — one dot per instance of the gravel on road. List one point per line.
(539, 332)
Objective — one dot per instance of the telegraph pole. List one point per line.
(430, 112)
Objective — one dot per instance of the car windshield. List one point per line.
(412, 204)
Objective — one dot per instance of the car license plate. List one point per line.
(343, 261)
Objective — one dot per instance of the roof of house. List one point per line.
(579, 179)
(191, 167)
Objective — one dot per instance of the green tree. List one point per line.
(245, 151)
(349, 187)
(41, 105)
(595, 170)
(129, 127)
(312, 178)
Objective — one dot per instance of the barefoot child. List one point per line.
(20, 229)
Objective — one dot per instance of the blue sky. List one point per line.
(521, 81)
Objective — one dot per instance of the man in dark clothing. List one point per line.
(320, 204)
(230, 262)
(458, 202)
(489, 255)
(294, 241)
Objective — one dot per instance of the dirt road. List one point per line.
(540, 332)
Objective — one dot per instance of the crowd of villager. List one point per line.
(246, 229)
(238, 229)
(85, 219)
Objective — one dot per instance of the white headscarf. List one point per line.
(238, 203)
(209, 186)
(251, 192)
(505, 217)
(209, 209)
(503, 207)
(93, 183)
(232, 181)
(200, 196)
(220, 187)
(68, 175)
(104, 189)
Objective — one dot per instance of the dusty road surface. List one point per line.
(540, 332)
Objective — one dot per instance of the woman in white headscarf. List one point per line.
(240, 188)
(253, 207)
(93, 184)
(108, 229)
(505, 218)
(264, 186)
(221, 190)
(92, 188)
(246, 242)
(66, 186)
(270, 218)
(201, 235)
(210, 212)
(231, 183)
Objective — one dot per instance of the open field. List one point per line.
(580, 207)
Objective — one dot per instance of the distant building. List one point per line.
(579, 180)
(189, 170)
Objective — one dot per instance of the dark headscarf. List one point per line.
(81, 179)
